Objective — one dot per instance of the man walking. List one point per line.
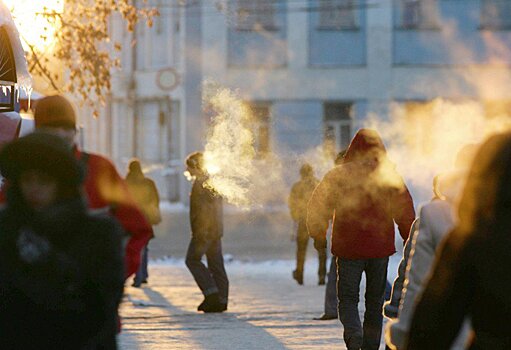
(298, 199)
(364, 197)
(206, 221)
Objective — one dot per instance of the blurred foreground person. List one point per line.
(436, 219)
(471, 273)
(206, 221)
(364, 197)
(61, 268)
(298, 199)
(146, 196)
(106, 190)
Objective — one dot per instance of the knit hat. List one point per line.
(55, 111)
(43, 152)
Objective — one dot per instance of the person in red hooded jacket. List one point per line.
(364, 197)
(106, 191)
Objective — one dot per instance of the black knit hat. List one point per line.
(44, 152)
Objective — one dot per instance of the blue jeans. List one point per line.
(349, 272)
(142, 274)
(211, 278)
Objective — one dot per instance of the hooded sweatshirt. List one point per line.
(364, 196)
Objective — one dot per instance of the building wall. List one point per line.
(296, 66)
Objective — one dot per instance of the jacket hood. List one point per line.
(365, 145)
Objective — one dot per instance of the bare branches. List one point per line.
(83, 47)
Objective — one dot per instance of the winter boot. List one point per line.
(298, 276)
(212, 304)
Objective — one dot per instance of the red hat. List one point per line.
(55, 111)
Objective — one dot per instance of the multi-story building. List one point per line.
(312, 71)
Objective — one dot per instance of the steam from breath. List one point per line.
(236, 171)
(424, 139)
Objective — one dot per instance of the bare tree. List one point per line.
(83, 47)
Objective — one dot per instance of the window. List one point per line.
(336, 14)
(419, 14)
(337, 117)
(260, 113)
(496, 14)
(251, 15)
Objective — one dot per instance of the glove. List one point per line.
(320, 243)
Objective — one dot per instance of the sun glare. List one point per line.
(33, 27)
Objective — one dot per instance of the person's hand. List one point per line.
(320, 243)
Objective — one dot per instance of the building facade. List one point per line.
(312, 72)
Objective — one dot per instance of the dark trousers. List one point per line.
(349, 272)
(331, 290)
(302, 241)
(142, 274)
(211, 278)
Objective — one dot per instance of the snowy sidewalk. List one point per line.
(267, 310)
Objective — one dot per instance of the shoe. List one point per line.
(201, 305)
(298, 277)
(144, 282)
(136, 284)
(321, 281)
(325, 317)
(212, 304)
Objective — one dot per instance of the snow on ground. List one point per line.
(267, 310)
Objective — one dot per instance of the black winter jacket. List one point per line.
(206, 211)
(61, 278)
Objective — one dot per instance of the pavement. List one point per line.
(267, 309)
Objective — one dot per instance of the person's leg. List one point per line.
(349, 274)
(199, 271)
(376, 280)
(217, 269)
(322, 256)
(331, 290)
(302, 240)
(145, 258)
(139, 276)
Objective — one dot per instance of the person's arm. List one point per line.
(444, 304)
(321, 207)
(293, 203)
(391, 307)
(108, 275)
(420, 261)
(403, 212)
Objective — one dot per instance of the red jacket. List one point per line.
(107, 191)
(364, 197)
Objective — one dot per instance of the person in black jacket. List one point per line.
(470, 277)
(61, 270)
(206, 221)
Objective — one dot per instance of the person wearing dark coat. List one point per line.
(298, 199)
(470, 277)
(206, 221)
(364, 197)
(61, 269)
(145, 195)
